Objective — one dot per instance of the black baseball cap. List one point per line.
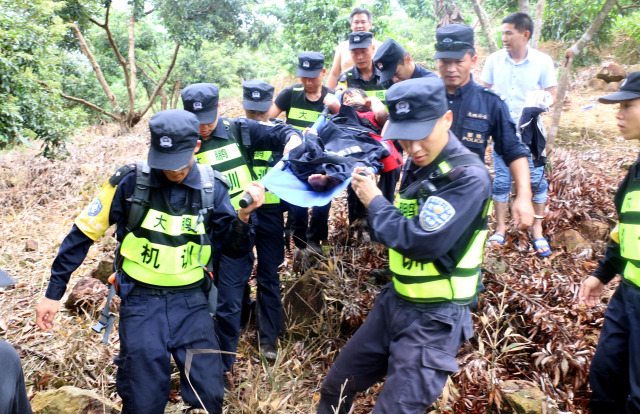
(387, 57)
(360, 40)
(453, 41)
(174, 135)
(256, 95)
(202, 100)
(629, 89)
(415, 105)
(310, 64)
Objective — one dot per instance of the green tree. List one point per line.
(28, 32)
(178, 23)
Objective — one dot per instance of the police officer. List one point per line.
(363, 75)
(304, 102)
(244, 150)
(160, 276)
(257, 99)
(480, 112)
(435, 233)
(396, 65)
(614, 376)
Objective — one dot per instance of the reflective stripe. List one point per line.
(162, 265)
(305, 115)
(420, 281)
(172, 225)
(629, 236)
(219, 155)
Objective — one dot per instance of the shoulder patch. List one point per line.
(435, 213)
(217, 174)
(120, 173)
(494, 92)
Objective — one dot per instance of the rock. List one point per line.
(570, 239)
(495, 266)
(72, 400)
(103, 271)
(525, 397)
(594, 230)
(303, 303)
(611, 72)
(31, 246)
(88, 295)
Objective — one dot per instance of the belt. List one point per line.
(140, 290)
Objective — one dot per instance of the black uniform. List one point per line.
(479, 113)
(413, 344)
(614, 375)
(13, 394)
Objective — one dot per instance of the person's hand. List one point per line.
(45, 311)
(256, 190)
(590, 291)
(364, 186)
(332, 103)
(294, 141)
(522, 212)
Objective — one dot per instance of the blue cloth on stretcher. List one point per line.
(283, 183)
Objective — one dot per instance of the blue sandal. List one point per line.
(542, 243)
(496, 237)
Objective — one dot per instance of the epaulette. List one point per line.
(217, 174)
(120, 173)
(494, 92)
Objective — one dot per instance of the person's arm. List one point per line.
(378, 109)
(332, 79)
(281, 104)
(272, 136)
(522, 209)
(465, 196)
(332, 103)
(609, 266)
(74, 249)
(552, 91)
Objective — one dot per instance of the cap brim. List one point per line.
(306, 73)
(409, 130)
(256, 106)
(387, 73)
(450, 54)
(6, 280)
(207, 117)
(619, 97)
(359, 46)
(169, 162)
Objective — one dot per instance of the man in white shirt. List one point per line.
(515, 71)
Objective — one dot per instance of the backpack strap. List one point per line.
(141, 195)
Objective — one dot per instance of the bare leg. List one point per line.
(536, 229)
(500, 210)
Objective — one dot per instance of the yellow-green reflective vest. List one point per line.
(225, 156)
(629, 232)
(163, 250)
(301, 115)
(418, 281)
(372, 89)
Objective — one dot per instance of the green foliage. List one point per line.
(29, 55)
(319, 25)
(628, 28)
(569, 23)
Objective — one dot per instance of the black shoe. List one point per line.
(269, 351)
(382, 276)
(314, 247)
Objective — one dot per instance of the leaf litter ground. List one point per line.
(528, 325)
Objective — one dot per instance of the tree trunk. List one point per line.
(163, 99)
(537, 26)
(94, 64)
(569, 55)
(161, 82)
(523, 6)
(175, 93)
(485, 23)
(131, 86)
